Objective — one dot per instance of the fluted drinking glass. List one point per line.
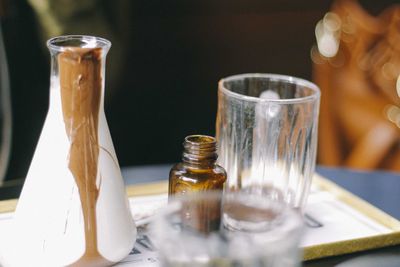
(267, 134)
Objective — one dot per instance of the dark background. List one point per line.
(177, 52)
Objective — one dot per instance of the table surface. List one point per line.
(382, 189)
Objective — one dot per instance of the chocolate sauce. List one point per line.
(81, 90)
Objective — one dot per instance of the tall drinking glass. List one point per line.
(267, 133)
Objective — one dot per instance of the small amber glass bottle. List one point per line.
(198, 170)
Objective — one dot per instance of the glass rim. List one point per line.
(280, 77)
(55, 43)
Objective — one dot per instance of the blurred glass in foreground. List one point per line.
(233, 229)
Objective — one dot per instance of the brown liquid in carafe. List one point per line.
(81, 91)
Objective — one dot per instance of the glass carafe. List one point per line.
(73, 209)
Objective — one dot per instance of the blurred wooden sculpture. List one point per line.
(357, 64)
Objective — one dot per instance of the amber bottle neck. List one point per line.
(200, 151)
